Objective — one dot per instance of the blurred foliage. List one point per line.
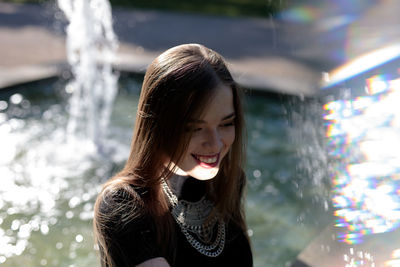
(259, 8)
(252, 8)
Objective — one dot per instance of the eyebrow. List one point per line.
(230, 116)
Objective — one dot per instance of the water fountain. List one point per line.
(91, 45)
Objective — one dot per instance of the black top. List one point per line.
(136, 242)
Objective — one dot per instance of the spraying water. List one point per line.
(91, 45)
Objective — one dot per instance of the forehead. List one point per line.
(219, 106)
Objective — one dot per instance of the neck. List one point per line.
(187, 188)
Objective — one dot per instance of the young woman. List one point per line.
(179, 199)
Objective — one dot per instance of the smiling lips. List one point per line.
(209, 161)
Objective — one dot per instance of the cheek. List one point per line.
(193, 145)
(229, 137)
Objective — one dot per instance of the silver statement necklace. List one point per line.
(192, 220)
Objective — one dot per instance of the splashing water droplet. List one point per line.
(79, 238)
(16, 99)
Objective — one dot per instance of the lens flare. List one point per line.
(395, 259)
(301, 14)
(363, 136)
(362, 64)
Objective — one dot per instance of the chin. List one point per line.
(204, 175)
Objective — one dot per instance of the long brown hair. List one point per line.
(176, 88)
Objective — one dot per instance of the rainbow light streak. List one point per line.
(304, 14)
(362, 64)
(363, 137)
(332, 23)
(377, 84)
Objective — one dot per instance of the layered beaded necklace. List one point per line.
(192, 218)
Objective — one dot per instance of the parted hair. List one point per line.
(177, 87)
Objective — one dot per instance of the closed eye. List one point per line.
(193, 129)
(228, 124)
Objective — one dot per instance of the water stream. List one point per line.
(91, 46)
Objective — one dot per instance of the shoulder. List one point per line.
(125, 231)
(119, 202)
(116, 193)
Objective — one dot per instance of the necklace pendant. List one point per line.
(195, 224)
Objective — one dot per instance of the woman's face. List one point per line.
(212, 137)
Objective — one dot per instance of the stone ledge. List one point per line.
(28, 73)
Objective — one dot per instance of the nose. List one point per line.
(213, 140)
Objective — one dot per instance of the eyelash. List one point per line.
(223, 125)
(232, 123)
